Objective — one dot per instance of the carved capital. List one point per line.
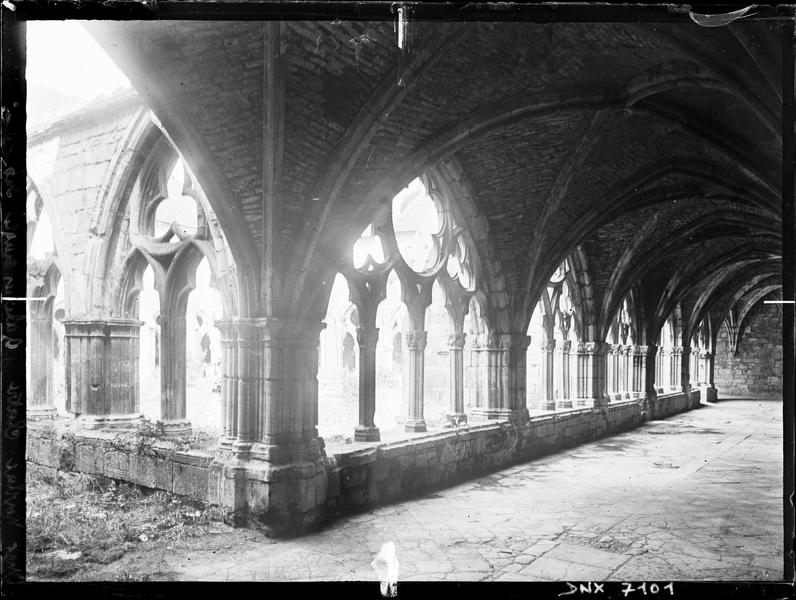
(486, 341)
(456, 341)
(548, 346)
(567, 346)
(510, 341)
(275, 329)
(593, 348)
(416, 340)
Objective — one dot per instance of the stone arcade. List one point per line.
(537, 235)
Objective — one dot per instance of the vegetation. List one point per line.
(76, 523)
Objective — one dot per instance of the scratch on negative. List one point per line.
(719, 20)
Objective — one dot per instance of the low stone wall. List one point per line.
(670, 404)
(127, 457)
(362, 478)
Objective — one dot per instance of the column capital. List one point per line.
(416, 340)
(274, 328)
(640, 350)
(486, 341)
(593, 348)
(548, 346)
(100, 327)
(367, 337)
(514, 341)
(705, 354)
(566, 346)
(456, 341)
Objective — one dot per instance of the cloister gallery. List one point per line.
(331, 264)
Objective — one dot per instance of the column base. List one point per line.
(456, 419)
(174, 428)
(289, 452)
(411, 426)
(282, 500)
(110, 421)
(563, 404)
(547, 405)
(36, 413)
(366, 434)
(592, 402)
(711, 394)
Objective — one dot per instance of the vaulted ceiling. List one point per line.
(655, 147)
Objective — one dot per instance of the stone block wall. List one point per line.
(757, 370)
(351, 481)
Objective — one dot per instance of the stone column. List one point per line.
(614, 383)
(664, 368)
(640, 371)
(650, 384)
(566, 394)
(482, 356)
(40, 403)
(286, 402)
(456, 353)
(229, 381)
(416, 342)
(505, 375)
(366, 430)
(693, 367)
(712, 394)
(593, 357)
(549, 358)
(628, 371)
(102, 371)
(677, 367)
(173, 415)
(704, 368)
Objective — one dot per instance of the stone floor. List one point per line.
(694, 497)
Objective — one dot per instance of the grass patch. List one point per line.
(76, 522)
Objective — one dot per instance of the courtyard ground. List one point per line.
(694, 497)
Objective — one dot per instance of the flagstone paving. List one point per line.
(694, 497)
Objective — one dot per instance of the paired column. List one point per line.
(173, 414)
(677, 367)
(684, 369)
(416, 343)
(613, 373)
(456, 353)
(639, 370)
(548, 389)
(366, 430)
(593, 373)
(40, 349)
(102, 371)
(651, 378)
(627, 375)
(566, 392)
(229, 381)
